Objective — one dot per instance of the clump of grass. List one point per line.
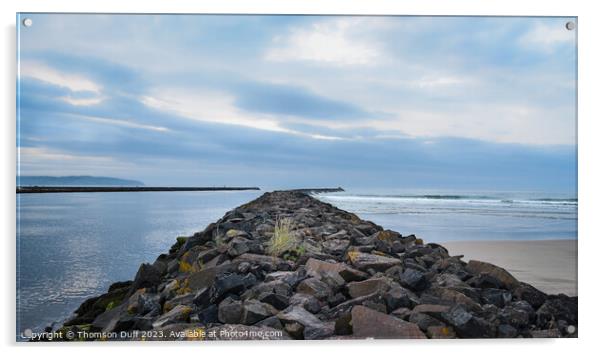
(282, 240)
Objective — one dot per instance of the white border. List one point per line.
(589, 172)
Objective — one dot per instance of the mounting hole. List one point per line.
(27, 22)
(570, 25)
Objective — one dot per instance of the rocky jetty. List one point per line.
(287, 266)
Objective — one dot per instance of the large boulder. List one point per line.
(366, 287)
(365, 261)
(506, 280)
(467, 325)
(180, 313)
(368, 323)
(299, 318)
(316, 268)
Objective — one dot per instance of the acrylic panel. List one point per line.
(247, 177)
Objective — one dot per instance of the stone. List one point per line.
(201, 279)
(313, 328)
(292, 278)
(413, 279)
(229, 311)
(440, 332)
(496, 297)
(508, 281)
(316, 268)
(277, 301)
(270, 322)
(368, 323)
(107, 321)
(424, 321)
(239, 246)
(208, 315)
(467, 325)
(186, 299)
(506, 331)
(364, 261)
(483, 281)
(336, 246)
(557, 308)
(267, 262)
(530, 294)
(342, 325)
(206, 255)
(180, 313)
(515, 315)
(232, 284)
(254, 311)
(309, 302)
(366, 287)
(434, 310)
(398, 296)
(451, 296)
(313, 286)
(402, 313)
(147, 276)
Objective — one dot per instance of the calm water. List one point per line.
(73, 246)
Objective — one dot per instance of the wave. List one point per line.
(466, 198)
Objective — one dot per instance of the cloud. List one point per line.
(334, 41)
(120, 122)
(293, 101)
(548, 36)
(75, 83)
(44, 73)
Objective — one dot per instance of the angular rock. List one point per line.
(254, 311)
(434, 310)
(313, 328)
(366, 287)
(364, 261)
(413, 279)
(467, 325)
(316, 268)
(506, 331)
(180, 313)
(508, 281)
(424, 321)
(313, 286)
(368, 323)
(528, 293)
(309, 302)
(232, 284)
(229, 311)
(147, 276)
(496, 297)
(336, 246)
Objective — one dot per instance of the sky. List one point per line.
(300, 101)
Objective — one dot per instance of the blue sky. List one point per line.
(294, 101)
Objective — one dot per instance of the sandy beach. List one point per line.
(550, 265)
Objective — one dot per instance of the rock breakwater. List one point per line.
(287, 266)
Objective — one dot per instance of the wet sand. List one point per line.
(550, 265)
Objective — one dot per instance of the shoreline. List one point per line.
(335, 277)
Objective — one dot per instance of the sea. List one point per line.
(72, 246)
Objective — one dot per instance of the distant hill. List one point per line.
(75, 181)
